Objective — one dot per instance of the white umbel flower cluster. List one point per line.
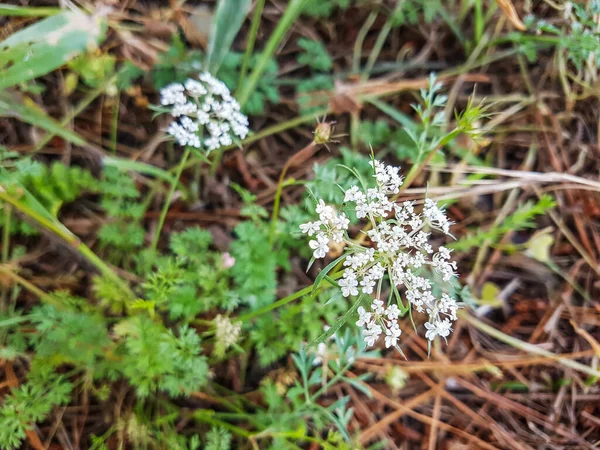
(397, 249)
(207, 116)
(226, 332)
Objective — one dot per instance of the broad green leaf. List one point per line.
(229, 16)
(47, 45)
(20, 107)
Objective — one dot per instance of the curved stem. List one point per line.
(165, 209)
(280, 184)
(53, 225)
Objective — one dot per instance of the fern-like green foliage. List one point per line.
(578, 38)
(72, 336)
(52, 186)
(521, 219)
(122, 232)
(266, 90)
(155, 358)
(324, 8)
(218, 438)
(314, 55)
(29, 403)
(254, 271)
(57, 184)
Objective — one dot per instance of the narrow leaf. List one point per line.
(229, 16)
(337, 325)
(326, 270)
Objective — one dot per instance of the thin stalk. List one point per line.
(6, 233)
(66, 235)
(280, 185)
(383, 34)
(11, 322)
(525, 346)
(114, 127)
(479, 21)
(330, 383)
(289, 16)
(282, 302)
(5, 249)
(278, 128)
(206, 417)
(258, 9)
(360, 39)
(87, 100)
(165, 209)
(43, 296)
(28, 11)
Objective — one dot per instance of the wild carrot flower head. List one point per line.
(206, 115)
(393, 261)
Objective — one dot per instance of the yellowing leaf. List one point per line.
(489, 295)
(538, 247)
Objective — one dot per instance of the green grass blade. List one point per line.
(229, 16)
(289, 16)
(28, 11)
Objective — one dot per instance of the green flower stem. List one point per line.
(208, 416)
(280, 185)
(330, 383)
(66, 235)
(277, 128)
(165, 209)
(525, 346)
(284, 301)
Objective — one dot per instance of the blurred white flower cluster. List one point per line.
(206, 114)
(397, 249)
(227, 333)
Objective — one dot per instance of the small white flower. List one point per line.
(392, 312)
(310, 228)
(371, 334)
(364, 317)
(391, 335)
(320, 246)
(349, 286)
(227, 261)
